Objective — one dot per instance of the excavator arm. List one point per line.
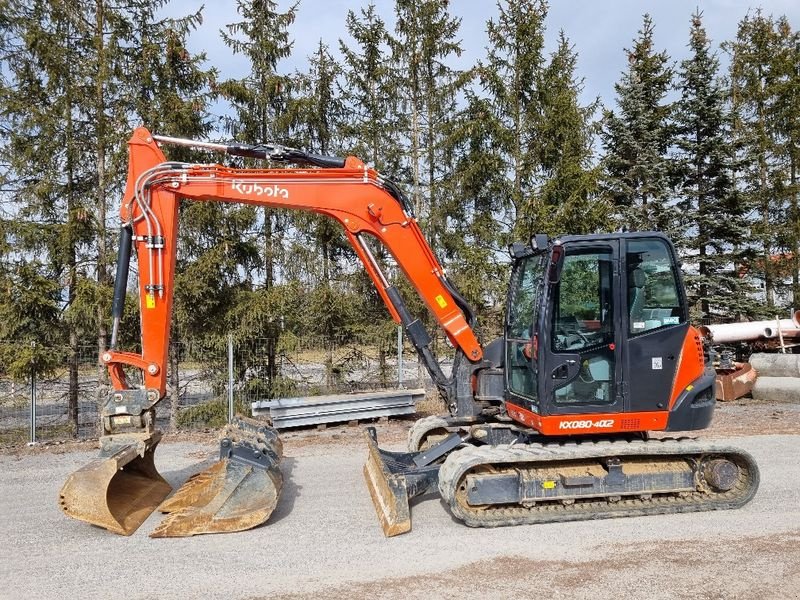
(122, 487)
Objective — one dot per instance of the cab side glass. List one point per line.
(653, 298)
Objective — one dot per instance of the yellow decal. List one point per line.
(689, 388)
(150, 301)
(549, 485)
(441, 301)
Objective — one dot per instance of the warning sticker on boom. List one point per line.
(441, 301)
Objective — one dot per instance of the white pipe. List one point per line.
(744, 332)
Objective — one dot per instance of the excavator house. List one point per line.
(551, 422)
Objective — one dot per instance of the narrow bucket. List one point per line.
(119, 489)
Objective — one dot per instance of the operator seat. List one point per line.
(636, 283)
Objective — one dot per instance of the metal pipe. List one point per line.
(32, 441)
(191, 143)
(230, 378)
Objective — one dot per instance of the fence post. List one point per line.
(399, 356)
(230, 378)
(32, 441)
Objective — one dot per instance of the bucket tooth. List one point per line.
(238, 492)
(119, 489)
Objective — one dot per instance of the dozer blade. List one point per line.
(119, 489)
(393, 478)
(238, 492)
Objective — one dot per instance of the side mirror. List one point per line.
(556, 263)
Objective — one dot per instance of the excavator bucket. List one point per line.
(238, 492)
(394, 478)
(119, 489)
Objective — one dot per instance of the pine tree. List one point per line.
(636, 139)
(711, 209)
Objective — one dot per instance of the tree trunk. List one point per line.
(269, 250)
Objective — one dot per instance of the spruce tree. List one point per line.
(368, 127)
(315, 110)
(476, 231)
(753, 95)
(367, 92)
(636, 139)
(786, 124)
(511, 76)
(567, 200)
(426, 88)
(52, 229)
(259, 99)
(712, 212)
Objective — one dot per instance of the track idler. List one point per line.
(238, 492)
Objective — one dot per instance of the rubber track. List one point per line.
(459, 463)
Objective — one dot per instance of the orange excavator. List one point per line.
(548, 423)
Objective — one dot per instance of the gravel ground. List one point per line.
(324, 540)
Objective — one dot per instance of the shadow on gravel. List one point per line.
(289, 493)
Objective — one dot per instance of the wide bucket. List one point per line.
(119, 489)
(238, 492)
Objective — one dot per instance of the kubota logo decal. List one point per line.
(586, 424)
(256, 189)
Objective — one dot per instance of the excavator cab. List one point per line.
(597, 327)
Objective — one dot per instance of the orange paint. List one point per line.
(590, 422)
(691, 364)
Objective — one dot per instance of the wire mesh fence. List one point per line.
(61, 399)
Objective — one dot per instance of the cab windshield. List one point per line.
(523, 311)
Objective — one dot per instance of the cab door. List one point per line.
(582, 351)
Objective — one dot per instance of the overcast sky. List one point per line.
(599, 29)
